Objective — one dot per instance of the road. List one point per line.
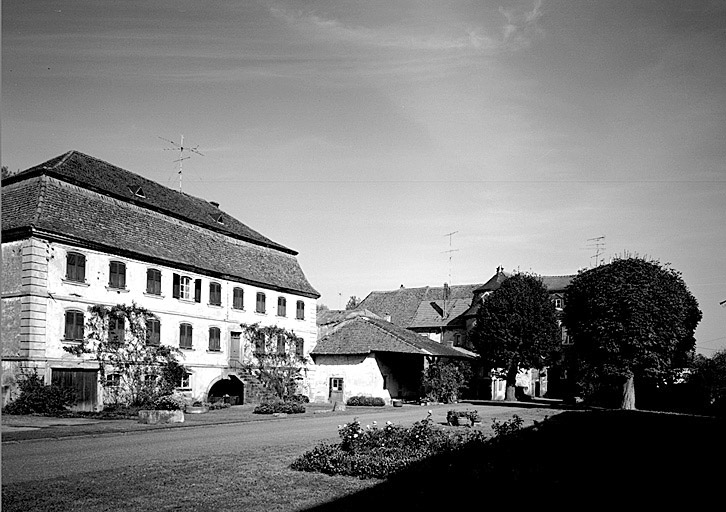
(46, 459)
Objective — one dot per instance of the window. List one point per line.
(385, 382)
(74, 325)
(182, 288)
(238, 298)
(116, 331)
(153, 281)
(299, 347)
(281, 306)
(565, 336)
(336, 384)
(153, 332)
(185, 336)
(76, 267)
(214, 343)
(281, 345)
(185, 380)
(215, 294)
(300, 315)
(558, 303)
(260, 308)
(260, 344)
(113, 380)
(117, 275)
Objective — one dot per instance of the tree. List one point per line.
(630, 319)
(321, 307)
(133, 370)
(444, 380)
(708, 377)
(277, 358)
(352, 303)
(516, 328)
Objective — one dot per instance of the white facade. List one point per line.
(44, 283)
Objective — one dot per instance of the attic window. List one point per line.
(138, 192)
(218, 218)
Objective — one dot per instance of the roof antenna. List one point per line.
(446, 289)
(598, 243)
(180, 147)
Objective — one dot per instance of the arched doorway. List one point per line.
(230, 390)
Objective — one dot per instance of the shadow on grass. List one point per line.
(582, 457)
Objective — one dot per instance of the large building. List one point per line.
(77, 231)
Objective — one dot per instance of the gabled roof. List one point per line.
(364, 335)
(438, 313)
(94, 174)
(403, 304)
(41, 202)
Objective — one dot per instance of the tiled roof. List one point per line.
(403, 304)
(332, 316)
(90, 219)
(427, 316)
(94, 174)
(363, 335)
(552, 283)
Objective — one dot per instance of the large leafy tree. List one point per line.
(516, 328)
(133, 370)
(629, 319)
(276, 358)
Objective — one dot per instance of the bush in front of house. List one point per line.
(279, 406)
(374, 452)
(168, 403)
(369, 401)
(299, 398)
(37, 398)
(462, 418)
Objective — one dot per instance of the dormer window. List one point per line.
(218, 218)
(138, 192)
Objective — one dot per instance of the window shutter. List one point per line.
(197, 290)
(70, 325)
(175, 291)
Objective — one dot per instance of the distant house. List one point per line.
(434, 312)
(363, 354)
(78, 231)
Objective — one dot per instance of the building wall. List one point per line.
(36, 291)
(360, 373)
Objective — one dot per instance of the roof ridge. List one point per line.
(41, 199)
(395, 334)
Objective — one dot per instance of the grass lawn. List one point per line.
(583, 457)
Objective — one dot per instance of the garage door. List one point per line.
(83, 382)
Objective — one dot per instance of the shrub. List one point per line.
(219, 405)
(373, 452)
(369, 401)
(508, 427)
(168, 403)
(37, 398)
(279, 406)
(299, 398)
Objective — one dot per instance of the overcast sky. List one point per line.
(361, 133)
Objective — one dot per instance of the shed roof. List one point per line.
(363, 335)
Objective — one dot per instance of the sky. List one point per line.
(401, 142)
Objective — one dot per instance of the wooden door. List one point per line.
(336, 390)
(234, 347)
(83, 382)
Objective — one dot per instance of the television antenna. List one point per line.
(446, 290)
(180, 147)
(597, 243)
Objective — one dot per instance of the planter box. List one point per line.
(151, 417)
(192, 409)
(397, 403)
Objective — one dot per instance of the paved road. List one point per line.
(46, 459)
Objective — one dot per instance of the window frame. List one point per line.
(281, 306)
(115, 330)
(120, 275)
(150, 332)
(260, 342)
(215, 294)
(75, 326)
(261, 303)
(218, 346)
(183, 335)
(113, 380)
(185, 287)
(238, 291)
(300, 347)
(300, 310)
(73, 275)
(153, 285)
